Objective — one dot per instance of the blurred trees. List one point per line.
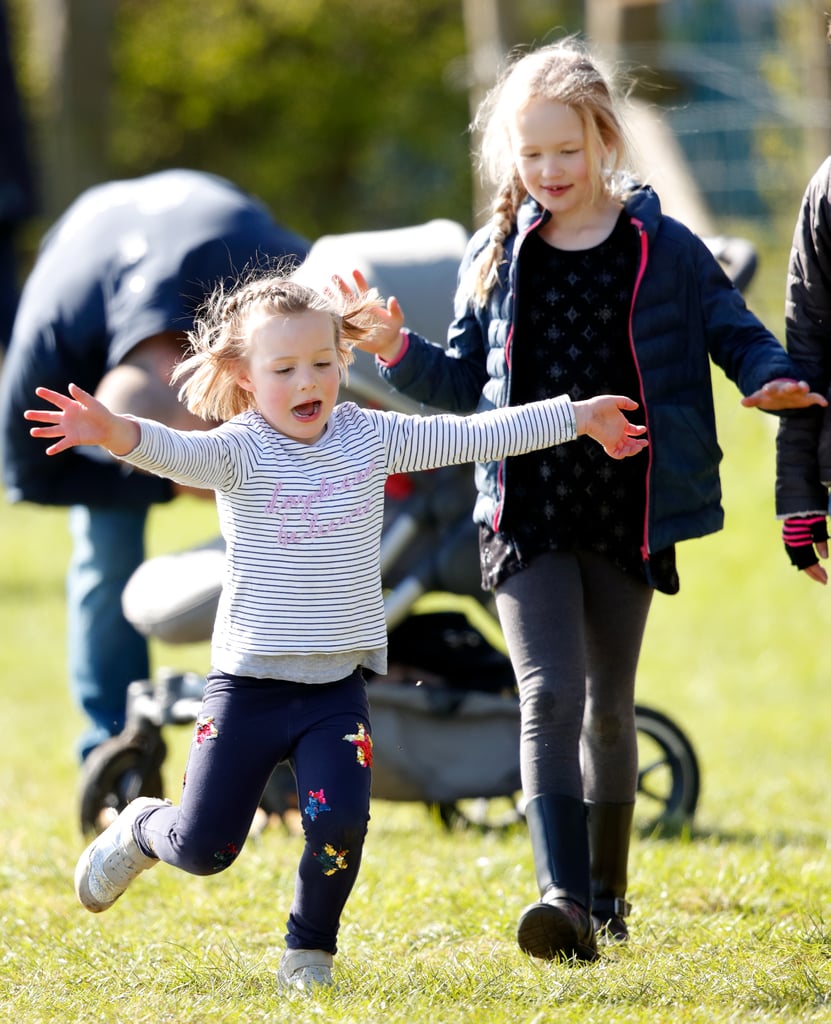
(67, 61)
(375, 96)
(353, 114)
(340, 114)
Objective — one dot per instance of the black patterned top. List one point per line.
(571, 336)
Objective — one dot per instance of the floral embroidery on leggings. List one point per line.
(227, 855)
(317, 804)
(362, 742)
(205, 730)
(332, 860)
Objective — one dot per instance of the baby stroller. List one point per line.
(446, 717)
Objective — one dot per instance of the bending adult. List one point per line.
(113, 291)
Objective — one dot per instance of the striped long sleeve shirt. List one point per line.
(302, 595)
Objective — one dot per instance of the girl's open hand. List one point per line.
(783, 393)
(386, 341)
(602, 419)
(80, 419)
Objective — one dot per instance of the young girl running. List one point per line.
(578, 282)
(299, 484)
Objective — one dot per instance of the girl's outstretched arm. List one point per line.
(602, 419)
(783, 393)
(80, 419)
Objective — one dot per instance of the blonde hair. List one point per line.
(566, 73)
(219, 340)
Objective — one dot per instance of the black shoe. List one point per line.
(557, 928)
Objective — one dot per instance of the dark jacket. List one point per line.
(803, 443)
(685, 310)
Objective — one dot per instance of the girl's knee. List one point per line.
(207, 855)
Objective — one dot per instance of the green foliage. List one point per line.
(352, 114)
(340, 115)
(785, 156)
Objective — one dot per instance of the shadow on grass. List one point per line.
(686, 832)
(446, 819)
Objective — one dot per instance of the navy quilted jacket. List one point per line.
(685, 311)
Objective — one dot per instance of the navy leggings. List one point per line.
(245, 728)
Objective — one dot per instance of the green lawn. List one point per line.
(731, 922)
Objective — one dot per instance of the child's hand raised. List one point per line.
(80, 419)
(783, 393)
(386, 341)
(602, 419)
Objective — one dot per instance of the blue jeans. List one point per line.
(105, 653)
(245, 728)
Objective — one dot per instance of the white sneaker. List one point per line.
(303, 969)
(113, 859)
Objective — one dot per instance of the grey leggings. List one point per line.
(573, 624)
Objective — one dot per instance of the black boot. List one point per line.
(610, 826)
(559, 926)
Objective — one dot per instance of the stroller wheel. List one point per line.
(116, 772)
(669, 779)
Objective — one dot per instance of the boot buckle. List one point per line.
(621, 907)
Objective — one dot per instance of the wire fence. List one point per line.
(751, 119)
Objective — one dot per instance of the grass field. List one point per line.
(732, 921)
